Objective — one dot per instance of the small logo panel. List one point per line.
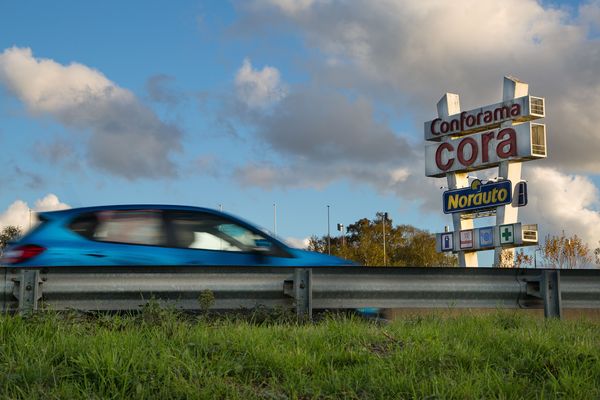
(486, 237)
(447, 241)
(466, 239)
(507, 234)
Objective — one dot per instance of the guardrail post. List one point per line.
(29, 291)
(303, 292)
(550, 291)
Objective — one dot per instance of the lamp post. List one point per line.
(383, 219)
(328, 234)
(275, 218)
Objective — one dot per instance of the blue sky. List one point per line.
(301, 104)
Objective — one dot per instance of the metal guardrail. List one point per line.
(305, 289)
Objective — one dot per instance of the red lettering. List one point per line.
(515, 110)
(485, 143)
(444, 127)
(461, 151)
(438, 156)
(470, 121)
(487, 118)
(501, 113)
(435, 121)
(463, 115)
(454, 125)
(507, 148)
(479, 115)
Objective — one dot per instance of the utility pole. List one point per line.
(383, 219)
(328, 233)
(275, 218)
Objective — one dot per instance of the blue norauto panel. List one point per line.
(478, 197)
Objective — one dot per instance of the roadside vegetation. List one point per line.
(405, 245)
(408, 246)
(266, 355)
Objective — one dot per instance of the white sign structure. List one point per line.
(500, 135)
(485, 150)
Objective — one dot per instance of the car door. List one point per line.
(123, 237)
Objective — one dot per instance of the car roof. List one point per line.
(167, 207)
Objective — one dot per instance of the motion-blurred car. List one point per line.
(153, 235)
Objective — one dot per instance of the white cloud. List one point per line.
(83, 99)
(18, 213)
(50, 203)
(399, 175)
(48, 87)
(407, 54)
(297, 243)
(562, 202)
(289, 7)
(259, 88)
(590, 14)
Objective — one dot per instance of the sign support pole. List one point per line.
(509, 213)
(450, 105)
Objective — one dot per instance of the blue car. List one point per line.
(153, 235)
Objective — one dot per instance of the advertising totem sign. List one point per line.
(500, 136)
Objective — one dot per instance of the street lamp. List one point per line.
(384, 218)
(328, 233)
(340, 227)
(275, 218)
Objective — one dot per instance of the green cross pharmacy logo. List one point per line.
(507, 234)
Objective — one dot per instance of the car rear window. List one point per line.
(122, 226)
(84, 225)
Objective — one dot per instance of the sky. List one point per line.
(274, 110)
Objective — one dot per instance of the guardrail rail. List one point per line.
(305, 289)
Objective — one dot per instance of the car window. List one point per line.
(210, 232)
(132, 227)
(84, 225)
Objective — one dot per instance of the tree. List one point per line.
(597, 255)
(523, 260)
(405, 245)
(316, 244)
(7, 235)
(565, 252)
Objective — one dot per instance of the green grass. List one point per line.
(162, 354)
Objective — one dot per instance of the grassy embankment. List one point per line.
(161, 354)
